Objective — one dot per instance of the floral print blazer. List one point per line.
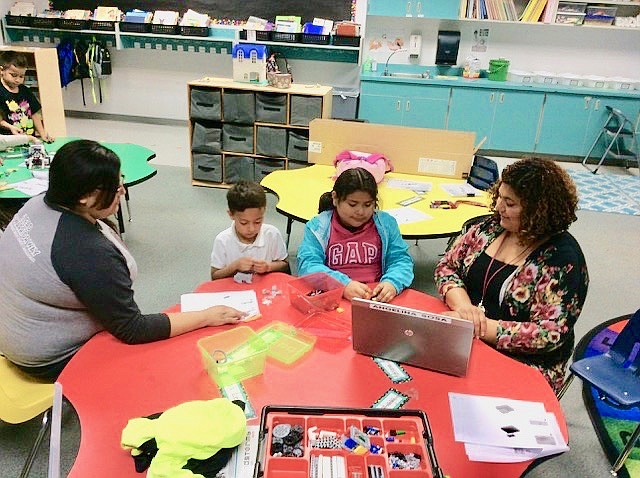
(540, 302)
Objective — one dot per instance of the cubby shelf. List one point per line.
(245, 131)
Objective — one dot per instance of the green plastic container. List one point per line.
(498, 69)
(234, 355)
(285, 343)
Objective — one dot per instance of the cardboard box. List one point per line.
(422, 151)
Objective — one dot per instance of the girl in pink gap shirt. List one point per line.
(354, 242)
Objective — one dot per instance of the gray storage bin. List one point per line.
(304, 109)
(271, 141)
(237, 138)
(205, 104)
(344, 104)
(266, 166)
(271, 108)
(237, 168)
(298, 147)
(206, 139)
(296, 165)
(207, 167)
(239, 106)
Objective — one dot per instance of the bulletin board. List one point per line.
(229, 11)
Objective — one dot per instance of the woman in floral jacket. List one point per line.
(520, 276)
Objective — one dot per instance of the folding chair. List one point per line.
(484, 172)
(620, 137)
(21, 399)
(615, 375)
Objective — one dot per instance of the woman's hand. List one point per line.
(384, 292)
(221, 315)
(356, 289)
(473, 314)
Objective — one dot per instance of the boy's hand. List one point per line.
(244, 264)
(33, 139)
(15, 130)
(261, 267)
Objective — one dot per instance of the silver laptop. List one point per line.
(411, 336)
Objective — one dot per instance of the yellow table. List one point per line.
(298, 191)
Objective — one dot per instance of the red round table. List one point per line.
(109, 382)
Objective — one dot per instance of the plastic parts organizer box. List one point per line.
(409, 428)
(233, 355)
(315, 292)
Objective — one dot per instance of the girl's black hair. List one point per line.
(350, 181)
(79, 168)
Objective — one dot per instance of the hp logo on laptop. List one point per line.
(408, 333)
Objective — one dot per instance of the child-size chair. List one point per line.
(21, 399)
(620, 138)
(615, 375)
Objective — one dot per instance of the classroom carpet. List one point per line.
(613, 426)
(617, 193)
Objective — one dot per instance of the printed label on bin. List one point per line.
(392, 399)
(393, 370)
(236, 391)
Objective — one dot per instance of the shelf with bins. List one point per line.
(245, 131)
(218, 40)
(619, 14)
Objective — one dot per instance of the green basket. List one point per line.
(498, 69)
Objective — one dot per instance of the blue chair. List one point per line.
(616, 376)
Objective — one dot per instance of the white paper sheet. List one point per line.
(460, 189)
(495, 454)
(415, 186)
(501, 422)
(32, 187)
(407, 215)
(245, 301)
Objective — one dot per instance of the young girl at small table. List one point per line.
(355, 243)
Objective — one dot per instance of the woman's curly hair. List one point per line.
(547, 194)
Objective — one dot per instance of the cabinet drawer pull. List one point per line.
(398, 106)
(587, 102)
(408, 107)
(597, 106)
(501, 97)
(408, 9)
(419, 8)
(492, 97)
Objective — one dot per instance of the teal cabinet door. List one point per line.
(412, 105)
(564, 123)
(381, 109)
(389, 8)
(472, 110)
(515, 123)
(425, 113)
(447, 9)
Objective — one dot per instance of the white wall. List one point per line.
(555, 48)
(152, 83)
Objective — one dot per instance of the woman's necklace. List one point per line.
(488, 279)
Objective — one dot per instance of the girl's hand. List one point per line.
(474, 314)
(15, 130)
(356, 289)
(384, 292)
(221, 314)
